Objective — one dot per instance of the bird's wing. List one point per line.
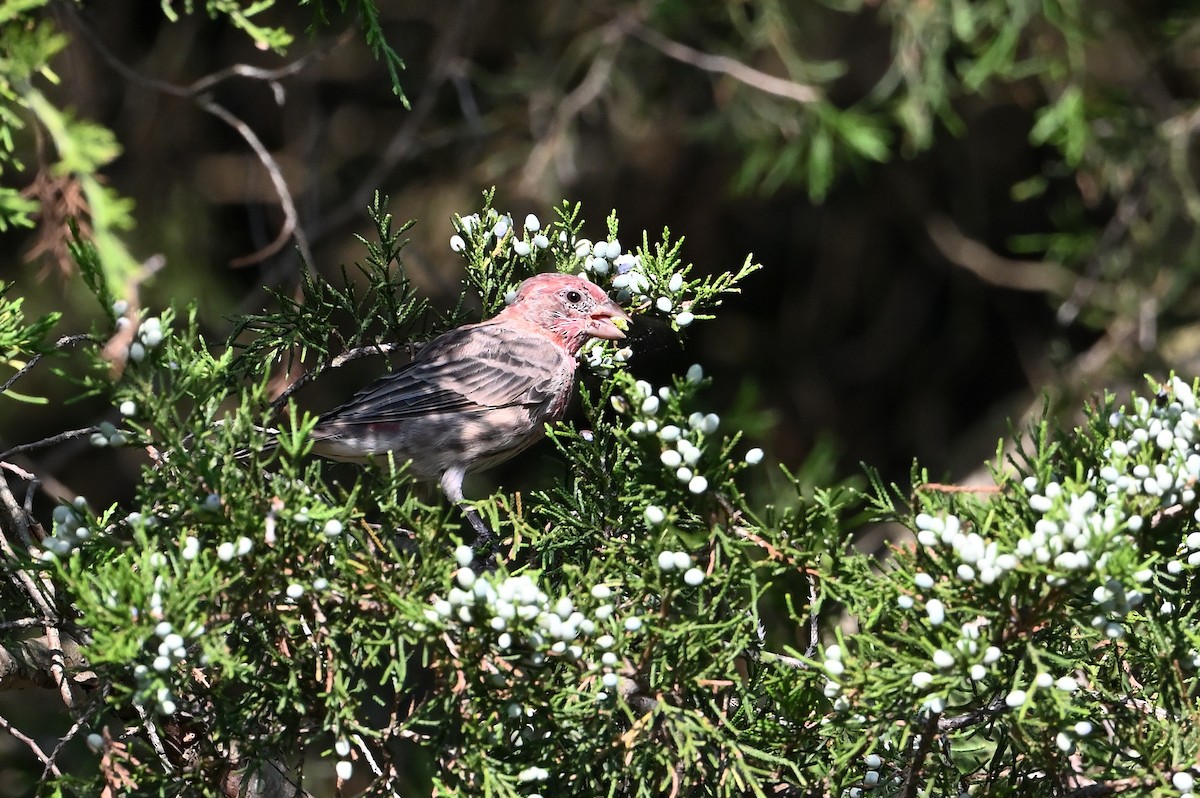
(476, 367)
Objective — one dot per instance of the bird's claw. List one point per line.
(485, 541)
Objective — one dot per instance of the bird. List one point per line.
(478, 394)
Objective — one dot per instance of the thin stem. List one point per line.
(31, 744)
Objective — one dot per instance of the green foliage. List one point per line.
(20, 341)
(82, 147)
(796, 125)
(630, 641)
(651, 277)
(292, 601)
(1109, 148)
(1044, 621)
(388, 309)
(24, 53)
(792, 131)
(368, 14)
(948, 49)
(241, 15)
(647, 629)
(827, 142)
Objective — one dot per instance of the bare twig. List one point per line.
(594, 83)
(29, 661)
(366, 752)
(975, 716)
(152, 735)
(15, 519)
(31, 484)
(940, 487)
(207, 82)
(912, 779)
(1165, 514)
(116, 350)
(197, 92)
(724, 65)
(118, 66)
(25, 623)
(31, 744)
(1019, 275)
(814, 618)
(61, 343)
(290, 218)
(58, 666)
(783, 659)
(84, 717)
(339, 361)
(41, 594)
(53, 440)
(47, 483)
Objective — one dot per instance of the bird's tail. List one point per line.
(268, 446)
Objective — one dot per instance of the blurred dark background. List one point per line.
(893, 319)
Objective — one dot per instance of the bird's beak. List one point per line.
(609, 321)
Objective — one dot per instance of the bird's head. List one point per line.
(573, 309)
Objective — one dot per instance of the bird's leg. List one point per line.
(485, 541)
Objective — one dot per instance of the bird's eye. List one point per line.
(574, 297)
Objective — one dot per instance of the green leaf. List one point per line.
(15, 210)
(820, 164)
(83, 146)
(25, 398)
(865, 136)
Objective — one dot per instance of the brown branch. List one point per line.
(975, 716)
(116, 350)
(594, 83)
(290, 226)
(1114, 787)
(21, 473)
(85, 717)
(783, 659)
(24, 623)
(30, 662)
(31, 744)
(197, 92)
(938, 487)
(152, 735)
(270, 75)
(1019, 275)
(339, 361)
(14, 519)
(53, 440)
(61, 343)
(358, 740)
(40, 591)
(912, 781)
(731, 67)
